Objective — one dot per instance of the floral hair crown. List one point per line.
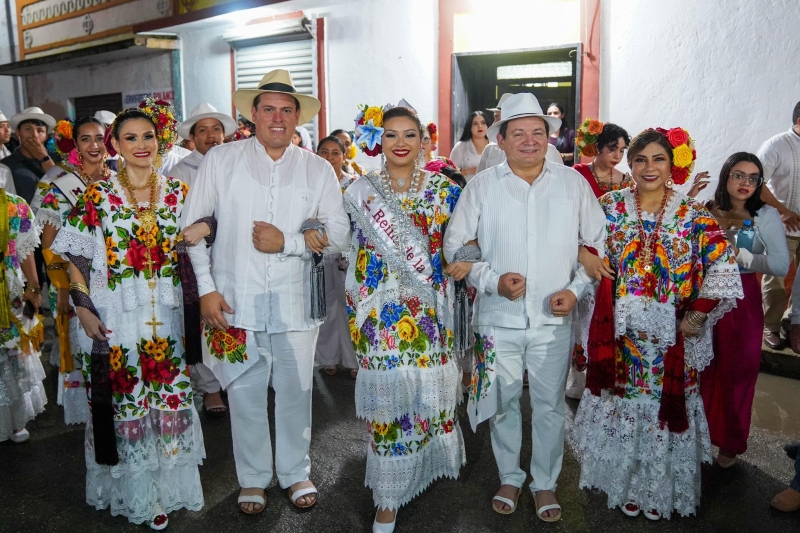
(433, 131)
(586, 137)
(63, 136)
(163, 116)
(683, 153)
(369, 129)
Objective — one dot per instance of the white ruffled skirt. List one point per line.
(159, 456)
(22, 394)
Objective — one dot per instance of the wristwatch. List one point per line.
(45, 159)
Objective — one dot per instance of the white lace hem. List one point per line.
(395, 481)
(160, 468)
(22, 393)
(723, 283)
(384, 396)
(644, 314)
(27, 242)
(47, 216)
(73, 399)
(625, 453)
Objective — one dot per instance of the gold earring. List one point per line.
(159, 162)
(669, 183)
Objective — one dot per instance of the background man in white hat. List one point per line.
(254, 282)
(106, 117)
(528, 215)
(30, 161)
(207, 128)
(493, 155)
(5, 136)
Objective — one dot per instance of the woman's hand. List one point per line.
(687, 330)
(459, 270)
(195, 233)
(62, 302)
(315, 241)
(699, 183)
(93, 326)
(595, 266)
(35, 298)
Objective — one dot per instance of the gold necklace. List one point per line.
(146, 215)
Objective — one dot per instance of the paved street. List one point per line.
(42, 485)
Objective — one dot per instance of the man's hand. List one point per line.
(511, 285)
(35, 148)
(459, 270)
(314, 242)
(267, 238)
(562, 302)
(791, 220)
(595, 266)
(211, 307)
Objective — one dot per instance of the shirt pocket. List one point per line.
(562, 223)
(302, 208)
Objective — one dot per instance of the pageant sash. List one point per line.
(70, 186)
(392, 230)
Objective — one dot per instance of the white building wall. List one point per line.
(725, 71)
(206, 69)
(52, 91)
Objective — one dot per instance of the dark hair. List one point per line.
(454, 175)
(258, 98)
(466, 135)
(610, 135)
(396, 112)
(331, 139)
(645, 138)
(722, 199)
(34, 121)
(504, 127)
(564, 126)
(81, 122)
(337, 132)
(796, 113)
(125, 116)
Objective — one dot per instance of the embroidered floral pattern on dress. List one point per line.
(229, 345)
(408, 435)
(484, 367)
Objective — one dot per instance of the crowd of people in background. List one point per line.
(218, 258)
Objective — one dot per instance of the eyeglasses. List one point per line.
(753, 180)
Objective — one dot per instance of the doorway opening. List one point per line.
(551, 74)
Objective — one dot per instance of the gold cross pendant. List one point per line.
(155, 323)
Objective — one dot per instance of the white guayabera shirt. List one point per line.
(533, 230)
(238, 183)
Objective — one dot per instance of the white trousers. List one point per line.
(207, 382)
(545, 352)
(289, 358)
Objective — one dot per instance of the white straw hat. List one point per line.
(201, 112)
(519, 106)
(276, 81)
(33, 113)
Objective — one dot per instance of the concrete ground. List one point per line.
(42, 482)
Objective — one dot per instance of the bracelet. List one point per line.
(696, 319)
(34, 290)
(57, 266)
(79, 287)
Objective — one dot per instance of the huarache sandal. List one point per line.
(544, 508)
(510, 503)
(257, 499)
(215, 410)
(299, 493)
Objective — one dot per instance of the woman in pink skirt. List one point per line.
(728, 384)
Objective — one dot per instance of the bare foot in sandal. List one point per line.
(306, 500)
(509, 492)
(543, 498)
(252, 507)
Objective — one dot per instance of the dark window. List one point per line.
(86, 106)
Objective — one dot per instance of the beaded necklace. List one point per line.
(87, 179)
(649, 242)
(386, 181)
(146, 215)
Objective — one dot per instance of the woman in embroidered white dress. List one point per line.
(83, 162)
(120, 238)
(334, 347)
(22, 395)
(640, 428)
(400, 318)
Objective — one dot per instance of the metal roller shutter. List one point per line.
(252, 62)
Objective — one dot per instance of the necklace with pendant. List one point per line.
(649, 241)
(146, 215)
